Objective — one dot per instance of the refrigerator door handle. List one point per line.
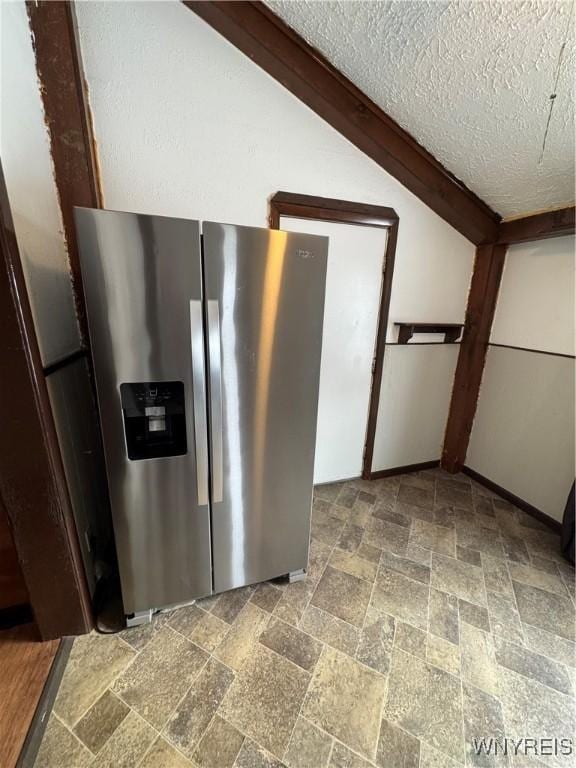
(199, 400)
(214, 356)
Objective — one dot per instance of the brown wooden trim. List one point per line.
(33, 739)
(33, 488)
(339, 480)
(329, 209)
(484, 288)
(349, 212)
(513, 499)
(383, 314)
(379, 474)
(282, 53)
(538, 227)
(66, 110)
(535, 351)
(26, 664)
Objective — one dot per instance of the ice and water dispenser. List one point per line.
(154, 419)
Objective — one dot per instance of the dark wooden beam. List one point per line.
(59, 68)
(479, 316)
(329, 209)
(283, 54)
(538, 227)
(33, 488)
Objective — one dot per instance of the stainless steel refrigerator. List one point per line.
(206, 341)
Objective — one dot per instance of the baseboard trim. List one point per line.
(513, 499)
(379, 474)
(340, 480)
(39, 722)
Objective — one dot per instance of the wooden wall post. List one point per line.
(482, 298)
(58, 63)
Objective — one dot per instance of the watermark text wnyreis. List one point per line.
(543, 747)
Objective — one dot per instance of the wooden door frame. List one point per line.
(33, 486)
(361, 214)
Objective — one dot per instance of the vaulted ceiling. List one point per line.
(471, 81)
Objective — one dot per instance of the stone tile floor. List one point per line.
(433, 612)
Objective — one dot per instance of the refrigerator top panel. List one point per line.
(142, 278)
(264, 292)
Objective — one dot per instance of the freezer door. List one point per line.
(143, 285)
(264, 310)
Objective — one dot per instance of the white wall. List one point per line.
(26, 160)
(414, 401)
(535, 306)
(523, 432)
(188, 126)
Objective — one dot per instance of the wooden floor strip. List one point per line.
(25, 663)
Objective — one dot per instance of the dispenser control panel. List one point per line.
(154, 419)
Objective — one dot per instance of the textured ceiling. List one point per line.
(471, 81)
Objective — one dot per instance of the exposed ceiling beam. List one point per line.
(283, 54)
(538, 227)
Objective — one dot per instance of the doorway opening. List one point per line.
(358, 286)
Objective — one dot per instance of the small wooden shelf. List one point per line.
(451, 331)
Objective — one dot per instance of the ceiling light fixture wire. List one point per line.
(556, 79)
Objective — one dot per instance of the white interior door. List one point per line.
(353, 286)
